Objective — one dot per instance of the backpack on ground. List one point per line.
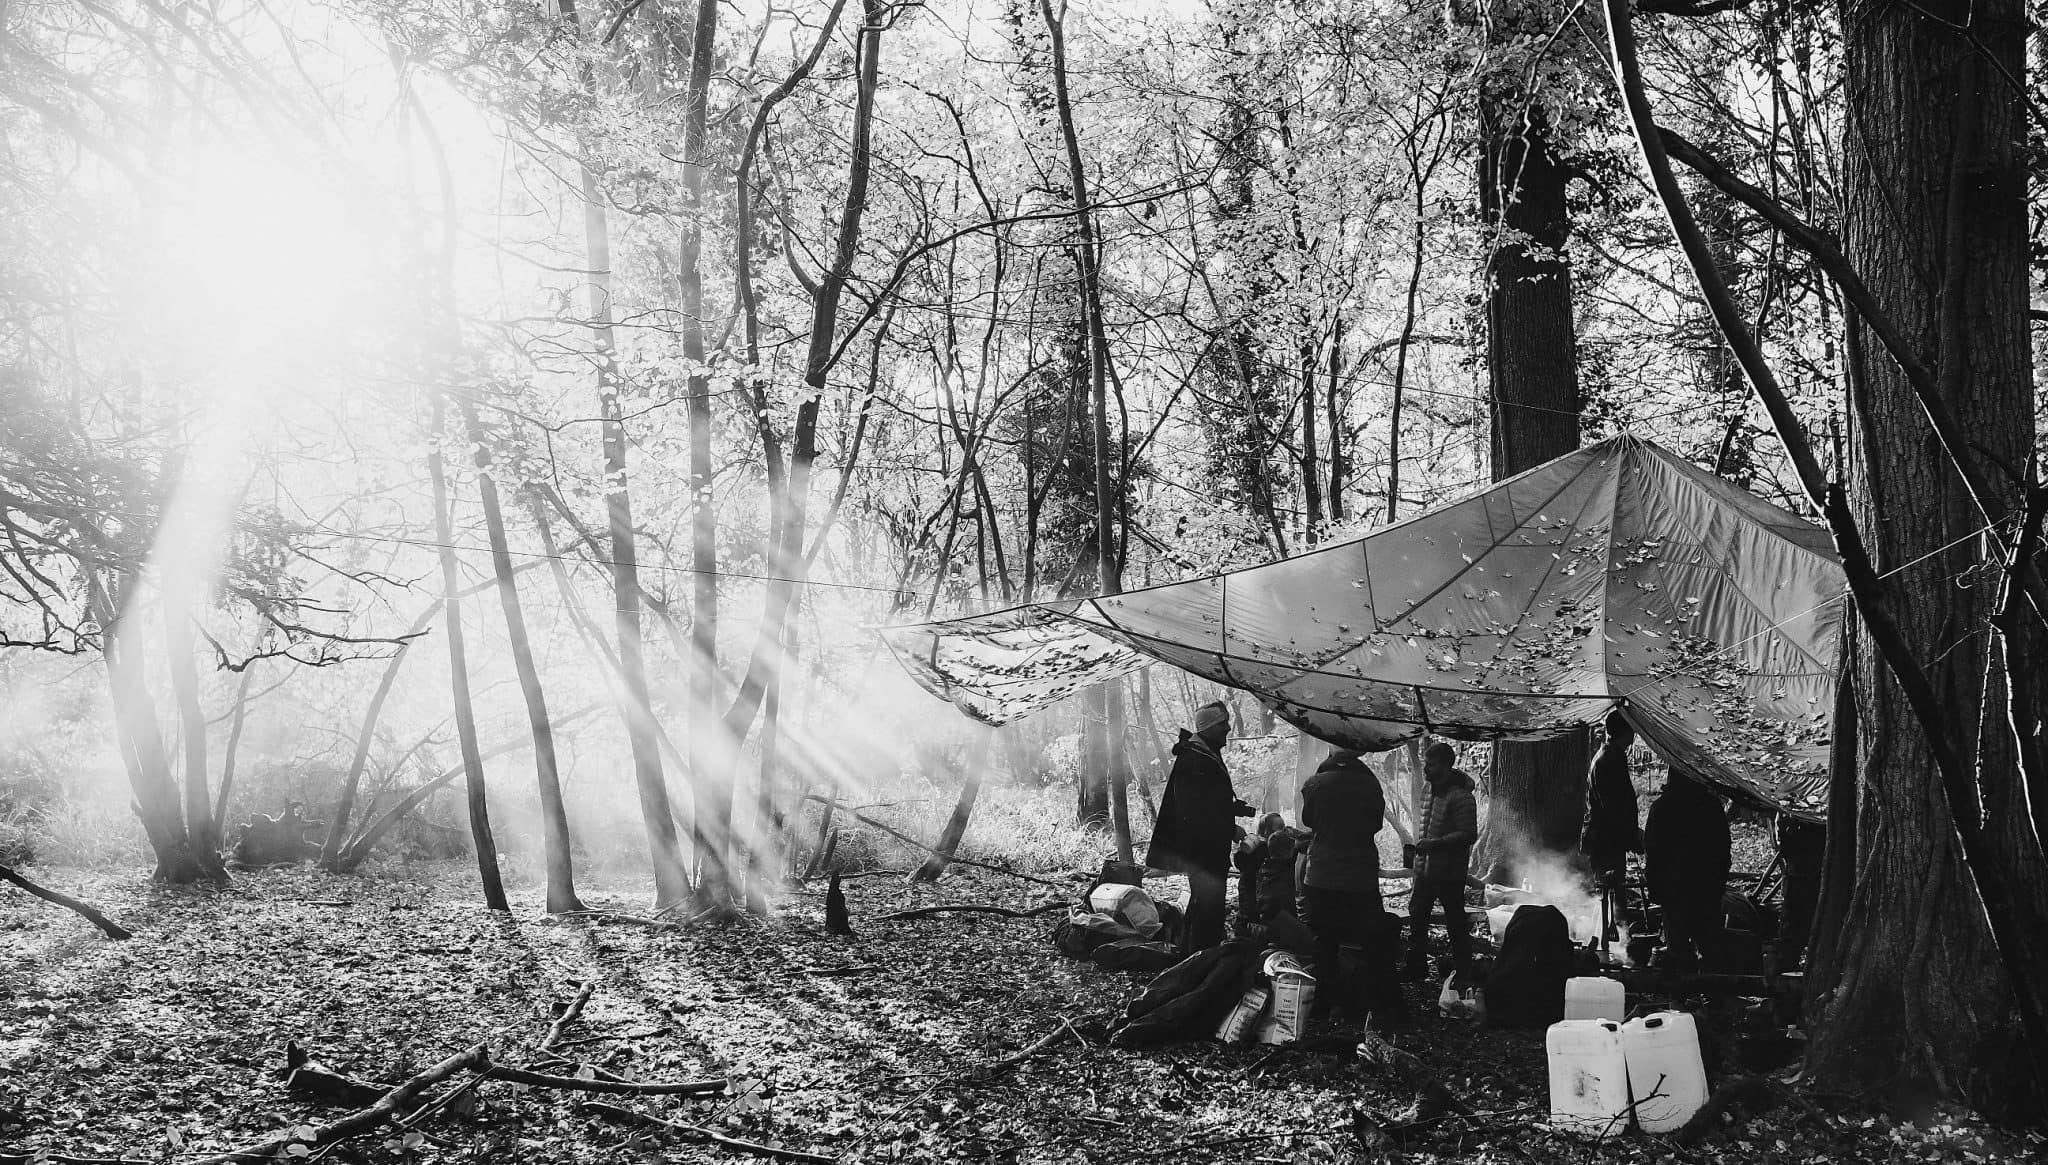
(1526, 986)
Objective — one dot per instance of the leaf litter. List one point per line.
(956, 1037)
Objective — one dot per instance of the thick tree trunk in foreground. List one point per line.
(1934, 220)
(1537, 790)
(480, 834)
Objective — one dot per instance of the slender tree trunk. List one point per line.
(1538, 790)
(664, 846)
(1105, 706)
(141, 743)
(477, 799)
(345, 805)
(179, 647)
(554, 812)
(821, 353)
(230, 750)
(956, 825)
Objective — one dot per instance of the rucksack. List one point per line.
(1526, 986)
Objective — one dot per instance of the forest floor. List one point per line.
(887, 1046)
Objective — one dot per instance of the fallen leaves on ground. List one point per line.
(877, 1047)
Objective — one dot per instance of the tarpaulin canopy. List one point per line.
(1619, 574)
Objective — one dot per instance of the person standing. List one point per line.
(1803, 845)
(1193, 834)
(1609, 831)
(1344, 807)
(1685, 869)
(1443, 852)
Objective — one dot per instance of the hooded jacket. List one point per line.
(1345, 807)
(1609, 831)
(1193, 834)
(1450, 823)
(1685, 846)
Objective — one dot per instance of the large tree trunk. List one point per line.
(664, 845)
(1537, 790)
(481, 837)
(1934, 221)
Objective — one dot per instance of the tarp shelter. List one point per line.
(1618, 574)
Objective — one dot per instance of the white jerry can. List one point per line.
(1588, 1077)
(1663, 1052)
(1595, 997)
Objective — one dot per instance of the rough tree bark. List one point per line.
(1537, 790)
(1934, 220)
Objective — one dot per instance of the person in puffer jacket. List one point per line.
(1443, 852)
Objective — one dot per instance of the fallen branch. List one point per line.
(39, 1157)
(113, 929)
(958, 861)
(570, 1014)
(366, 1120)
(700, 1133)
(1004, 911)
(627, 919)
(992, 1070)
(1412, 1070)
(316, 1081)
(619, 1087)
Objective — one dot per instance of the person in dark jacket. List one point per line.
(1194, 830)
(1610, 832)
(1804, 846)
(1344, 807)
(1443, 853)
(1685, 869)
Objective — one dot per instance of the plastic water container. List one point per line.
(1663, 1053)
(1588, 1077)
(1595, 997)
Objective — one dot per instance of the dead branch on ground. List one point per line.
(113, 929)
(365, 1120)
(570, 1014)
(702, 1134)
(1004, 911)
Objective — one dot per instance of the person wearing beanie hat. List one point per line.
(1193, 833)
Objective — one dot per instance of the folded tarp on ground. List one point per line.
(1617, 574)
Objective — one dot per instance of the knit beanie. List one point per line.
(1210, 715)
